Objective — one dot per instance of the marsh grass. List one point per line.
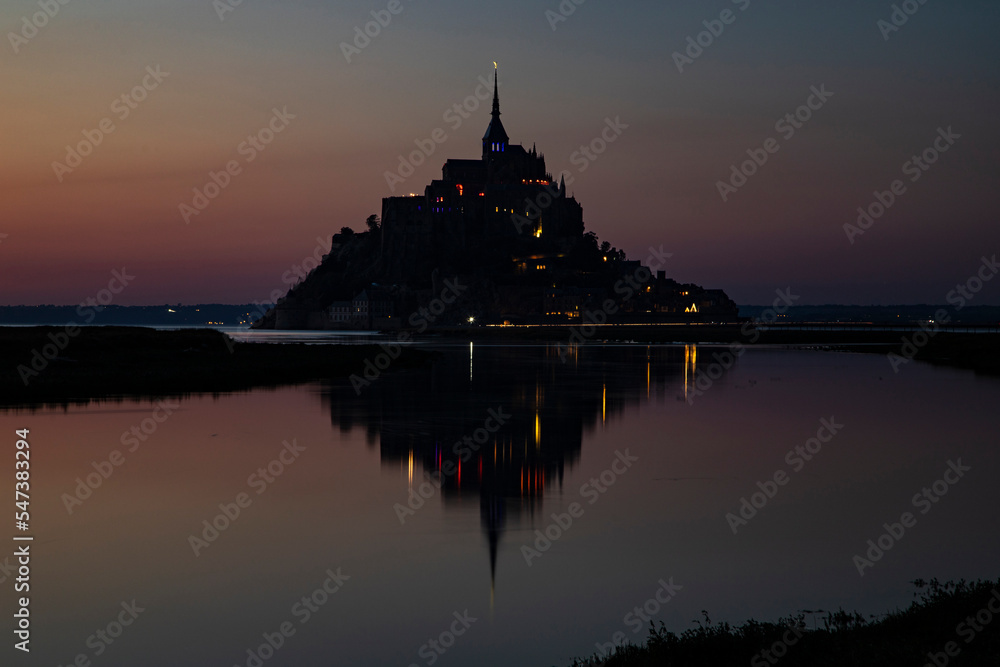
(842, 639)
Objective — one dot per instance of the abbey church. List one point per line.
(507, 193)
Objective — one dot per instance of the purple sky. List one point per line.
(65, 228)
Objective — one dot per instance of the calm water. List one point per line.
(333, 506)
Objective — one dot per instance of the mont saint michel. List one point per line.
(501, 242)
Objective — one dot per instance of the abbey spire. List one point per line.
(495, 140)
(496, 93)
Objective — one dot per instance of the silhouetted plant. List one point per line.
(898, 637)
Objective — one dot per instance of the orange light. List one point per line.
(459, 186)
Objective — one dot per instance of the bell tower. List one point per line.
(495, 140)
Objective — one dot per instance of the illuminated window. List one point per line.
(459, 186)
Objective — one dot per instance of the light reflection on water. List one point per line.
(244, 335)
(338, 504)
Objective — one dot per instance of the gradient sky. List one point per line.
(656, 185)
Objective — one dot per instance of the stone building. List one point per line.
(505, 194)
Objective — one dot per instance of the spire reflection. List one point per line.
(431, 420)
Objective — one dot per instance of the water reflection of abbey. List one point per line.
(425, 420)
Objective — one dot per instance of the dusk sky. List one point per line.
(62, 234)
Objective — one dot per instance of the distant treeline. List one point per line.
(199, 314)
(237, 314)
(880, 314)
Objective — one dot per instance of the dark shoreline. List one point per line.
(111, 362)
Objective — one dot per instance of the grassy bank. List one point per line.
(942, 618)
(106, 362)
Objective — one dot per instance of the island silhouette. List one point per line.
(503, 229)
